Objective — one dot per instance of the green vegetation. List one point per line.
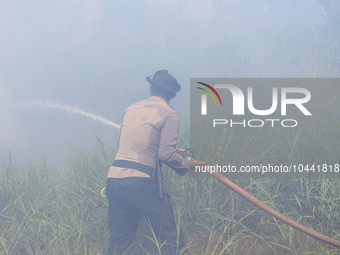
(55, 212)
(62, 211)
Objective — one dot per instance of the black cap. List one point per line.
(164, 80)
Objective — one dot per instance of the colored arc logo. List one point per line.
(209, 93)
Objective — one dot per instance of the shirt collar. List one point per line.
(158, 99)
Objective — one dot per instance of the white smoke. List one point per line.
(12, 136)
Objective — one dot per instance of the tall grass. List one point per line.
(62, 212)
(55, 212)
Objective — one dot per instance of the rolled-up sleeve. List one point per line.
(167, 148)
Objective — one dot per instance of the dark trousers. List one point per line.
(131, 199)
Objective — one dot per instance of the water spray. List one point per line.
(64, 107)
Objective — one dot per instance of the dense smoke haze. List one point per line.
(94, 56)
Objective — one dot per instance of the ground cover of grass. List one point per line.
(63, 212)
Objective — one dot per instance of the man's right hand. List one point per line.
(195, 162)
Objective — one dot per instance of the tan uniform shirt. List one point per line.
(148, 128)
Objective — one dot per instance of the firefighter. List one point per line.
(147, 138)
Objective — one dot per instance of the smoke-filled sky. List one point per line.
(95, 55)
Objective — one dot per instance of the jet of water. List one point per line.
(70, 109)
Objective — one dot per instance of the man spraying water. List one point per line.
(147, 138)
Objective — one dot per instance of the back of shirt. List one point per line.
(149, 128)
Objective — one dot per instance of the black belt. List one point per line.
(134, 165)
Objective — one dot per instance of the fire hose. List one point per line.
(265, 207)
(270, 210)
